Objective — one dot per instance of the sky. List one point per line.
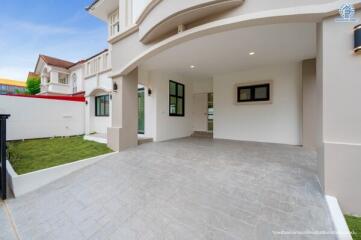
(59, 28)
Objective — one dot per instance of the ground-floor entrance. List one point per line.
(141, 110)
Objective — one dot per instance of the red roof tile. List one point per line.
(56, 62)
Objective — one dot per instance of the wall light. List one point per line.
(192, 66)
(252, 53)
(357, 36)
(115, 87)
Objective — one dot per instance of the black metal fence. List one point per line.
(3, 173)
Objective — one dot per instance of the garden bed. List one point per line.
(42, 161)
(354, 223)
(33, 155)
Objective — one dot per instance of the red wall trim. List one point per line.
(62, 98)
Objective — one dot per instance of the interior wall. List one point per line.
(278, 122)
(309, 108)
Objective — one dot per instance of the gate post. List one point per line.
(3, 172)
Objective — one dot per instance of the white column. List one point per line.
(124, 130)
(339, 70)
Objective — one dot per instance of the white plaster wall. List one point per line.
(40, 118)
(60, 88)
(170, 127)
(149, 103)
(202, 84)
(279, 122)
(97, 124)
(102, 81)
(340, 75)
(90, 84)
(79, 71)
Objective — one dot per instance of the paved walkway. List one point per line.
(184, 189)
(6, 231)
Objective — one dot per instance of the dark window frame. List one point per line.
(252, 89)
(105, 112)
(177, 96)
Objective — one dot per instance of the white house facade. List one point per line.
(88, 78)
(255, 70)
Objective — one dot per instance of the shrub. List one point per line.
(33, 85)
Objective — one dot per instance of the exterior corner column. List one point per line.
(123, 132)
(338, 72)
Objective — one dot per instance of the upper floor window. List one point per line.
(63, 78)
(114, 23)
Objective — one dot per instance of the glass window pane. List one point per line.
(97, 106)
(244, 94)
(261, 92)
(106, 108)
(180, 90)
(180, 106)
(173, 105)
(172, 88)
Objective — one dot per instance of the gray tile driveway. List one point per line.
(6, 231)
(191, 188)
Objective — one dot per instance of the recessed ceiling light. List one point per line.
(252, 53)
(192, 66)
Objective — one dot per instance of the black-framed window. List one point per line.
(176, 99)
(102, 106)
(253, 93)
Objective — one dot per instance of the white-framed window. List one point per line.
(63, 78)
(75, 83)
(114, 23)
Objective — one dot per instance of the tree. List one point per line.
(33, 85)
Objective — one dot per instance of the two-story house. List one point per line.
(264, 71)
(87, 77)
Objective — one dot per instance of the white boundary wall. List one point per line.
(41, 118)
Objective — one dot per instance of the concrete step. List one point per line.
(202, 134)
(144, 140)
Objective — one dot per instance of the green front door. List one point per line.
(141, 110)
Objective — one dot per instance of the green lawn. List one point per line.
(31, 155)
(354, 223)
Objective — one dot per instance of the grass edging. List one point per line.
(25, 183)
(36, 154)
(354, 223)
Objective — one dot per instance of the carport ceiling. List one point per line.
(230, 51)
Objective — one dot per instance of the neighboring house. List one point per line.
(8, 86)
(87, 78)
(265, 71)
